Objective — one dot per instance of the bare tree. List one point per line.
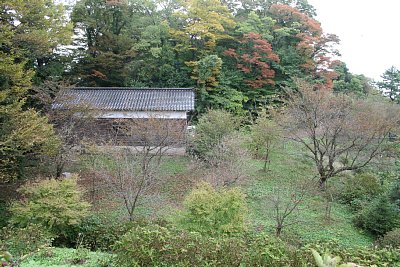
(73, 123)
(131, 171)
(285, 205)
(340, 133)
(228, 161)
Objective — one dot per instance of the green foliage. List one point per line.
(21, 241)
(96, 233)
(160, 246)
(362, 256)
(390, 84)
(55, 204)
(42, 27)
(66, 257)
(214, 211)
(264, 136)
(362, 186)
(391, 239)
(349, 83)
(379, 217)
(211, 128)
(23, 132)
(328, 261)
(394, 192)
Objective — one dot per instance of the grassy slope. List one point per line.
(288, 167)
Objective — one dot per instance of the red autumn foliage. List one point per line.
(316, 48)
(254, 58)
(287, 15)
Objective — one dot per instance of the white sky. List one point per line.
(369, 32)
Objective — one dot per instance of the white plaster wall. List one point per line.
(141, 114)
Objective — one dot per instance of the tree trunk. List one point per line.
(278, 230)
(265, 163)
(322, 183)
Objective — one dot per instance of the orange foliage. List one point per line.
(254, 58)
(316, 47)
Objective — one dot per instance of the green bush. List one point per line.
(154, 245)
(362, 256)
(4, 214)
(363, 186)
(97, 233)
(211, 211)
(391, 239)
(55, 204)
(210, 129)
(379, 217)
(21, 241)
(160, 246)
(395, 193)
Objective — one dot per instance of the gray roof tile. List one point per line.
(129, 99)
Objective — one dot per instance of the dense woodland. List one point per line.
(294, 160)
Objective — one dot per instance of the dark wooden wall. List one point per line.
(136, 132)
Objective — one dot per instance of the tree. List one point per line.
(130, 172)
(211, 128)
(304, 49)
(72, 129)
(228, 161)
(390, 84)
(339, 133)
(349, 83)
(202, 24)
(38, 28)
(55, 204)
(123, 45)
(23, 132)
(285, 205)
(264, 136)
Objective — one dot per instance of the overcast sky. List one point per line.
(369, 32)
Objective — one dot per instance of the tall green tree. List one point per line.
(349, 83)
(38, 28)
(23, 132)
(126, 45)
(390, 84)
(203, 23)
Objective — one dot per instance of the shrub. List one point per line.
(97, 233)
(265, 135)
(362, 256)
(391, 239)
(55, 204)
(159, 246)
(395, 193)
(211, 128)
(154, 245)
(210, 211)
(21, 241)
(363, 186)
(380, 217)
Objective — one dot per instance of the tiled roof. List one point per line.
(129, 99)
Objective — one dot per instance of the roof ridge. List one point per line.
(131, 88)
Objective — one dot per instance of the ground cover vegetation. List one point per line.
(294, 160)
